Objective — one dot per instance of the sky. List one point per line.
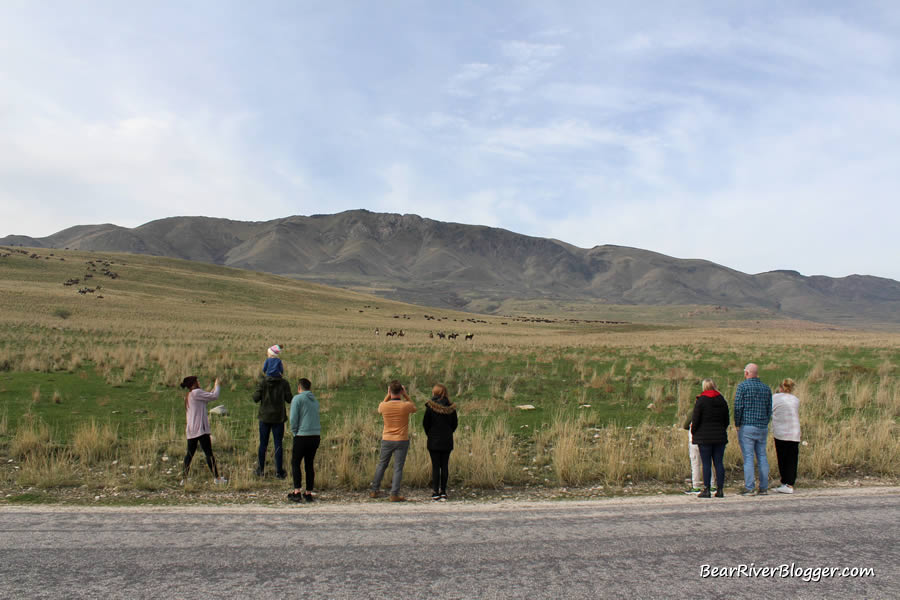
(757, 135)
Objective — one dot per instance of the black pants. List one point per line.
(304, 449)
(206, 445)
(788, 453)
(440, 461)
(712, 455)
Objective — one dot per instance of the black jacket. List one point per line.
(439, 423)
(272, 394)
(709, 425)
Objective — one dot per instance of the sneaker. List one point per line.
(720, 493)
(443, 497)
(397, 498)
(763, 492)
(704, 493)
(693, 490)
(746, 492)
(281, 475)
(785, 489)
(435, 497)
(220, 481)
(374, 493)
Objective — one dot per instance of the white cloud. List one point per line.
(693, 131)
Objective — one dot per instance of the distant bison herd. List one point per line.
(101, 266)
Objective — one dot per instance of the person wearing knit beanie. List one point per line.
(273, 367)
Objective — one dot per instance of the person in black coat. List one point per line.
(709, 427)
(439, 423)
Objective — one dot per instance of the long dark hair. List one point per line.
(188, 383)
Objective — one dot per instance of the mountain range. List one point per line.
(414, 259)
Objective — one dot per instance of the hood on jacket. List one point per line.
(441, 406)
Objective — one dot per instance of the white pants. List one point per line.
(697, 466)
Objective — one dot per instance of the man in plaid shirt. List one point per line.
(752, 413)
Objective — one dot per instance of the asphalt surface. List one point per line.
(640, 548)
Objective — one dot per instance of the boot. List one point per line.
(705, 493)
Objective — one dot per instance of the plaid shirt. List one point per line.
(752, 404)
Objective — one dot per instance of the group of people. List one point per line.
(273, 394)
(754, 407)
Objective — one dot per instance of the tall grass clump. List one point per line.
(572, 460)
(49, 470)
(92, 443)
(32, 438)
(489, 458)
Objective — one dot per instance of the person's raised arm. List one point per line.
(204, 396)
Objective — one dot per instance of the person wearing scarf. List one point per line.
(709, 428)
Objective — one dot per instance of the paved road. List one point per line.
(647, 548)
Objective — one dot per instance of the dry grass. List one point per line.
(151, 330)
(49, 470)
(92, 443)
(568, 450)
(484, 455)
(32, 439)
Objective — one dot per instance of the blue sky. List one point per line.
(757, 135)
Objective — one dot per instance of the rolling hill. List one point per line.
(413, 259)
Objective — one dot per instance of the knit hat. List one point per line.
(274, 351)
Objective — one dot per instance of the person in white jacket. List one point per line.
(197, 427)
(786, 429)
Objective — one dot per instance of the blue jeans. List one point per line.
(277, 431)
(753, 443)
(398, 450)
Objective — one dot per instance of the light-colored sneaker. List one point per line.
(694, 490)
(785, 489)
(220, 481)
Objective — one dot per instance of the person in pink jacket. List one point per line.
(197, 428)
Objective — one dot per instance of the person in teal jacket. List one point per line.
(307, 430)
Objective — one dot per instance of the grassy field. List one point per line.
(88, 381)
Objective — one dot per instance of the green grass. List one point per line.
(118, 360)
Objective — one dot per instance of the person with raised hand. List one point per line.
(395, 409)
(197, 425)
